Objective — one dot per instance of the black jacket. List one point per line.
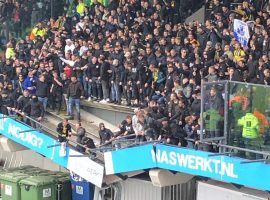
(22, 101)
(42, 89)
(80, 134)
(105, 135)
(93, 70)
(35, 107)
(75, 90)
(126, 127)
(104, 75)
(118, 74)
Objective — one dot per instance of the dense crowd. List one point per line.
(16, 16)
(135, 53)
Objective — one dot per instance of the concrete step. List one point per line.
(89, 121)
(108, 106)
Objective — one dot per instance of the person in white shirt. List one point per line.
(69, 46)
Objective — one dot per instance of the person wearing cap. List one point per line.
(75, 92)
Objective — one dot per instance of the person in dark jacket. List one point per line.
(80, 133)
(92, 75)
(116, 81)
(171, 75)
(125, 127)
(10, 97)
(196, 104)
(36, 111)
(56, 91)
(22, 101)
(105, 72)
(105, 134)
(42, 91)
(74, 93)
(3, 108)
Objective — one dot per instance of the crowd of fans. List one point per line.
(135, 53)
(16, 16)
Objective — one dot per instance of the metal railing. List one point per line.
(42, 127)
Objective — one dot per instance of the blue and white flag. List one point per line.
(241, 32)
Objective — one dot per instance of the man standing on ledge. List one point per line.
(74, 93)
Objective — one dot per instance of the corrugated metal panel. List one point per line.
(134, 189)
(185, 191)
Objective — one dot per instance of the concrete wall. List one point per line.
(112, 117)
(28, 157)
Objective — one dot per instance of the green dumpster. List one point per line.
(63, 185)
(10, 188)
(38, 188)
(2, 171)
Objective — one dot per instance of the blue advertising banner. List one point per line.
(223, 168)
(129, 159)
(38, 142)
(33, 140)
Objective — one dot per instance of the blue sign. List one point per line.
(129, 159)
(33, 140)
(223, 168)
(241, 32)
(39, 142)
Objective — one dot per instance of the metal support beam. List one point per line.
(31, 130)
(221, 154)
(254, 161)
(79, 156)
(55, 145)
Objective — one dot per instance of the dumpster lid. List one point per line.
(63, 179)
(38, 181)
(23, 167)
(13, 176)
